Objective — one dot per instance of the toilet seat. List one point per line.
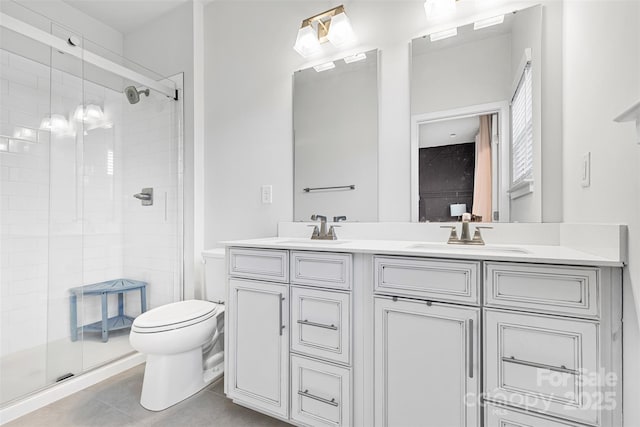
(174, 316)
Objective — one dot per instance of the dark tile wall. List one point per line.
(446, 177)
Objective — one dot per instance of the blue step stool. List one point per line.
(121, 321)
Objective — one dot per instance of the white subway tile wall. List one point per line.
(150, 159)
(24, 209)
(68, 216)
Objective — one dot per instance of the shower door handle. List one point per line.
(146, 196)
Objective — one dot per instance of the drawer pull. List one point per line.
(306, 393)
(318, 325)
(470, 344)
(562, 369)
(281, 298)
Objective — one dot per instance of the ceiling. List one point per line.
(125, 15)
(435, 134)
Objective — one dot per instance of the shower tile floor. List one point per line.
(115, 402)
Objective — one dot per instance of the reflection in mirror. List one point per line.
(461, 93)
(335, 123)
(458, 166)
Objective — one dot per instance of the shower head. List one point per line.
(133, 94)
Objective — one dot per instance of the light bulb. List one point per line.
(436, 9)
(340, 30)
(307, 43)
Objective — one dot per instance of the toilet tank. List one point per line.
(214, 275)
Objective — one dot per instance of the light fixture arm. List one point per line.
(323, 21)
(323, 16)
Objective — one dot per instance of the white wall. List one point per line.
(249, 115)
(601, 79)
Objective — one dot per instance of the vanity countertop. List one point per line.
(515, 253)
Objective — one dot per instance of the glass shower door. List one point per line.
(66, 210)
(34, 142)
(73, 152)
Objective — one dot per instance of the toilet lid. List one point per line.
(176, 313)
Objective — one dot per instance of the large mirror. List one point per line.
(476, 121)
(335, 125)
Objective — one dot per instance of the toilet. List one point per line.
(183, 341)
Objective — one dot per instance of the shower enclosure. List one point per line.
(74, 150)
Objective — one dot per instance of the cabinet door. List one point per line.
(426, 364)
(258, 353)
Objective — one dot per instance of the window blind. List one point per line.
(522, 129)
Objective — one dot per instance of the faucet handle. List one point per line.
(316, 232)
(453, 237)
(332, 232)
(320, 218)
(339, 218)
(477, 237)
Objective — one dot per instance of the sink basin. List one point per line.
(312, 242)
(497, 249)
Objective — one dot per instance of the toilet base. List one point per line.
(171, 378)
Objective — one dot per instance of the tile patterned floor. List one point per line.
(115, 402)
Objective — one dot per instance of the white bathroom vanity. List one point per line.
(416, 332)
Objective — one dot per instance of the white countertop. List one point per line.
(490, 252)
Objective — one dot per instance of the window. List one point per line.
(522, 130)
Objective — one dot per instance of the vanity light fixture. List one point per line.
(324, 67)
(436, 9)
(489, 22)
(56, 123)
(91, 114)
(340, 30)
(307, 43)
(355, 58)
(440, 35)
(332, 25)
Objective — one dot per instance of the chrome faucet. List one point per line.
(465, 236)
(322, 233)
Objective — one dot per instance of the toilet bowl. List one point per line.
(182, 341)
(172, 336)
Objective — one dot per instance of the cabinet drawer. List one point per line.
(543, 288)
(321, 323)
(327, 270)
(321, 393)
(543, 363)
(428, 278)
(262, 264)
(497, 416)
